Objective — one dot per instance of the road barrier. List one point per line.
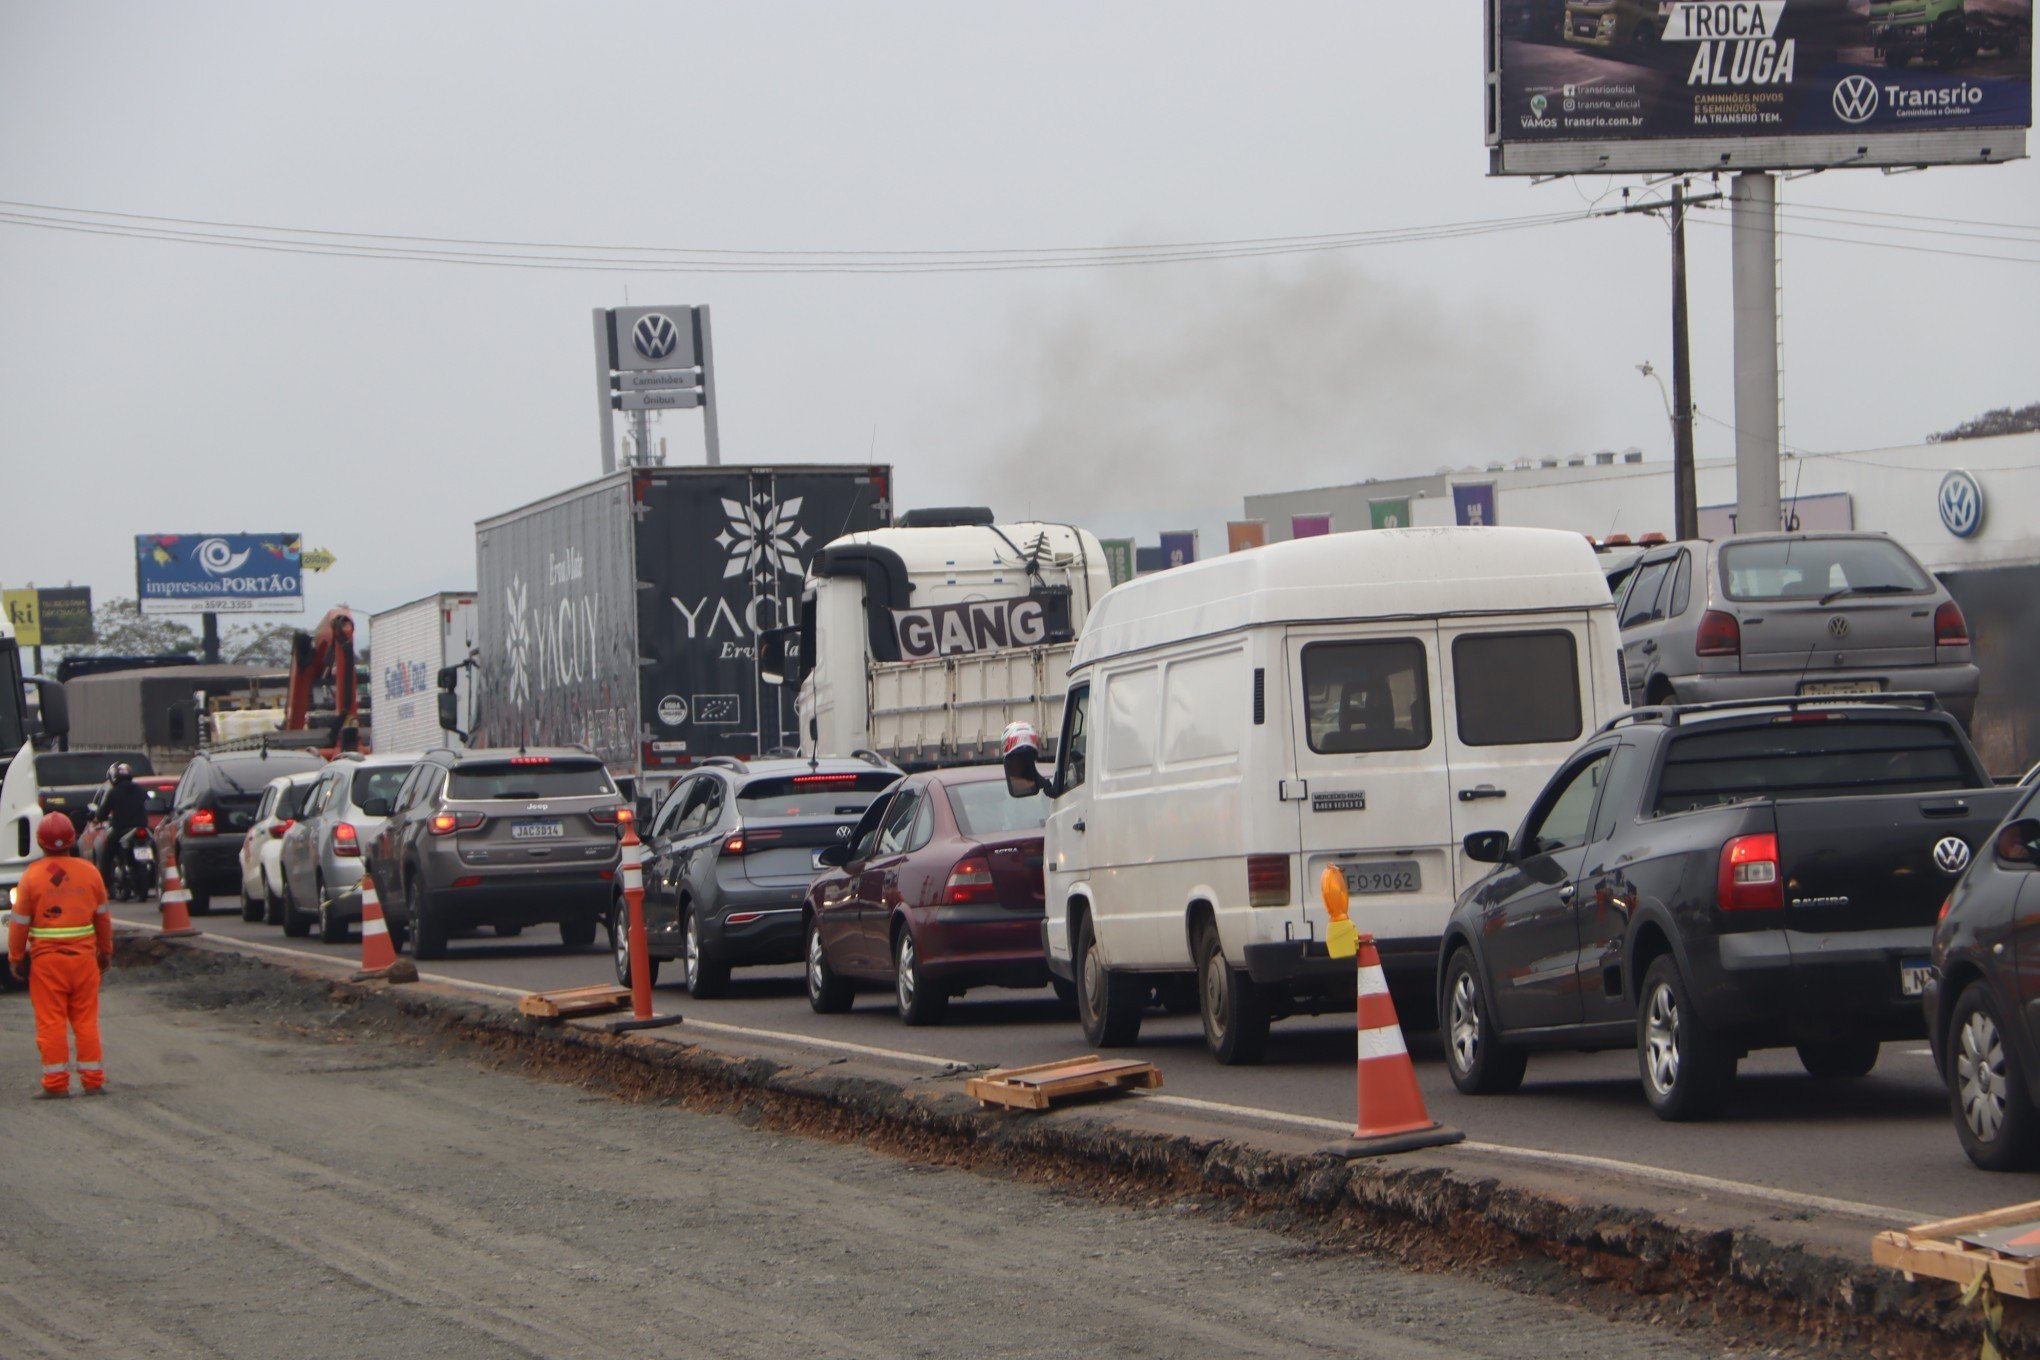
(378, 953)
(173, 899)
(632, 871)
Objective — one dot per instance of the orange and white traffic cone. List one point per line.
(1391, 1116)
(631, 869)
(174, 899)
(378, 955)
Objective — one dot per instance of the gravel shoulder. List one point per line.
(268, 1182)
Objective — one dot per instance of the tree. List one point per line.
(2004, 420)
(259, 644)
(121, 629)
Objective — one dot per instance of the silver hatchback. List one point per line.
(1784, 614)
(321, 856)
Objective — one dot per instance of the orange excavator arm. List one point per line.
(325, 653)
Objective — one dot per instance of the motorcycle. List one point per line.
(134, 867)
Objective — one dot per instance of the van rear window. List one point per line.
(1783, 759)
(1366, 696)
(518, 779)
(1516, 689)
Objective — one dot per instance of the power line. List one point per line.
(1883, 245)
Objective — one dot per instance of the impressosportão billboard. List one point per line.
(219, 573)
(1583, 86)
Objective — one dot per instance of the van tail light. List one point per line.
(1950, 628)
(1267, 880)
(1720, 635)
(446, 823)
(1749, 879)
(278, 829)
(202, 822)
(970, 881)
(346, 840)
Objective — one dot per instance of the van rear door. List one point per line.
(1370, 780)
(1517, 702)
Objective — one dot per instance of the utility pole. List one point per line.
(1685, 488)
(1754, 260)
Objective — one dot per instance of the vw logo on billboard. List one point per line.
(655, 335)
(1855, 98)
(1951, 855)
(1960, 501)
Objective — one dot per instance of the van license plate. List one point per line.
(1383, 876)
(537, 831)
(1913, 975)
(145, 854)
(1842, 687)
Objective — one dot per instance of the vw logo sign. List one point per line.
(1951, 855)
(655, 335)
(1838, 626)
(843, 833)
(1961, 504)
(1855, 99)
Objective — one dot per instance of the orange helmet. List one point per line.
(55, 834)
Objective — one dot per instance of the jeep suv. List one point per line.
(730, 855)
(211, 812)
(502, 838)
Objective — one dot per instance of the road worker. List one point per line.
(60, 939)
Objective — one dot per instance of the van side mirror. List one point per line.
(449, 712)
(1487, 847)
(1023, 774)
(56, 708)
(835, 856)
(778, 654)
(2019, 842)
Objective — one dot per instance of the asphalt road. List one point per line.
(260, 1184)
(1885, 1140)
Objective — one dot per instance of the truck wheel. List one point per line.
(296, 924)
(827, 994)
(1480, 1063)
(1234, 1007)
(1839, 1060)
(1687, 1071)
(1108, 1007)
(708, 977)
(1994, 1115)
(577, 932)
(428, 932)
(921, 1002)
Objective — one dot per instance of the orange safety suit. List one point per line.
(62, 928)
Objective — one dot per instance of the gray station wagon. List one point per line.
(1764, 615)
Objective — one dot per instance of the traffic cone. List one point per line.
(378, 955)
(174, 900)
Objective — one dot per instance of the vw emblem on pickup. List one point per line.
(1838, 626)
(654, 336)
(1951, 855)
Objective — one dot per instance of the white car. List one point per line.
(261, 850)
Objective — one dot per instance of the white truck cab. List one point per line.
(20, 805)
(1359, 700)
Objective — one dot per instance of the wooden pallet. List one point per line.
(1931, 1249)
(1039, 1086)
(573, 1001)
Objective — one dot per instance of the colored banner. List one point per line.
(219, 574)
(1242, 534)
(1309, 526)
(1393, 514)
(1119, 559)
(1179, 548)
(1474, 504)
(24, 616)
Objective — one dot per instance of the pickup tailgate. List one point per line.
(1879, 862)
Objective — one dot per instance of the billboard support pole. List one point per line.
(602, 390)
(711, 407)
(1754, 261)
(1685, 493)
(210, 622)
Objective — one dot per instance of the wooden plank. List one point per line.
(1942, 1258)
(1955, 1227)
(1037, 1086)
(571, 1001)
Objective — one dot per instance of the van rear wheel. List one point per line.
(1234, 1007)
(1108, 1005)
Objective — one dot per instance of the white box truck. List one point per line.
(1235, 727)
(408, 646)
(922, 641)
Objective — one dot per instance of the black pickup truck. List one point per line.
(1703, 880)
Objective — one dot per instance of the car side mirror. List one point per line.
(835, 856)
(2019, 842)
(1023, 774)
(1487, 847)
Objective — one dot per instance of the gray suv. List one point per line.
(502, 838)
(320, 857)
(1764, 615)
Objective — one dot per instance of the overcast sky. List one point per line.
(380, 407)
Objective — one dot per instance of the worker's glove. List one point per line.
(18, 967)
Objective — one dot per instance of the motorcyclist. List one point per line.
(127, 809)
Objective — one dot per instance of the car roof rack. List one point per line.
(1670, 714)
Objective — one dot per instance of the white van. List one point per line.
(1234, 726)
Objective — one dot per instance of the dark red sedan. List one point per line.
(937, 891)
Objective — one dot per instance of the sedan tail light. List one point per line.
(1719, 635)
(346, 840)
(446, 823)
(1749, 879)
(277, 829)
(1267, 880)
(1950, 628)
(202, 822)
(970, 881)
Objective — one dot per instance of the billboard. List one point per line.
(219, 573)
(1599, 86)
